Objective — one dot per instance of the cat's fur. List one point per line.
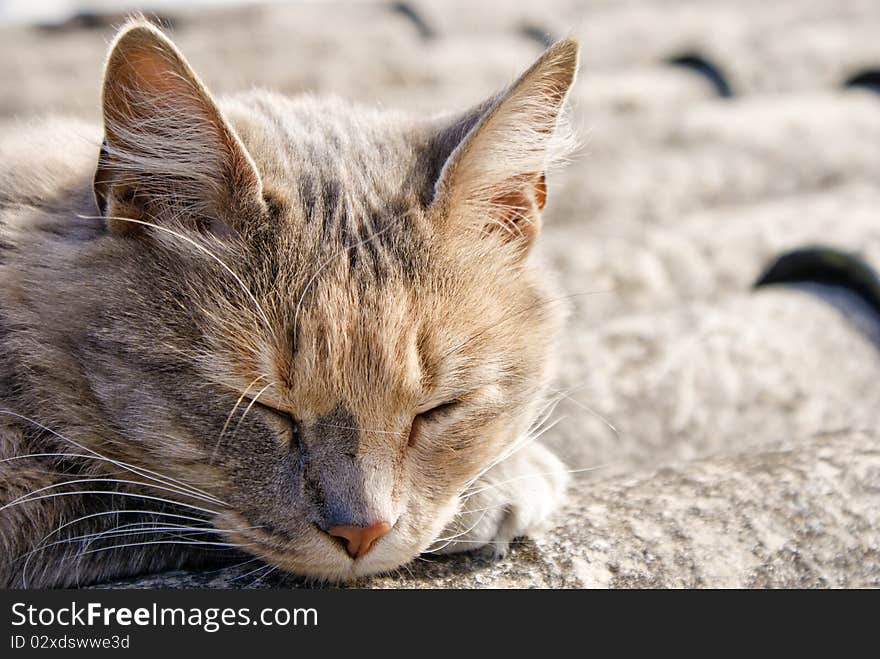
(351, 269)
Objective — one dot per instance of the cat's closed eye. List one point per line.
(289, 422)
(441, 409)
(433, 414)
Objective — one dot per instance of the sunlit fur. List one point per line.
(336, 262)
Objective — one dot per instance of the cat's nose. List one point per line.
(359, 539)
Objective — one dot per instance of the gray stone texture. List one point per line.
(721, 437)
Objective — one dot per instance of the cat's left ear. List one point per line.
(495, 174)
(168, 152)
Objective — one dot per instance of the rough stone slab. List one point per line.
(679, 199)
(684, 382)
(763, 47)
(711, 253)
(721, 154)
(804, 516)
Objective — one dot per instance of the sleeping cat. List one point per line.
(292, 327)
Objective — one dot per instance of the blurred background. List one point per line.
(716, 135)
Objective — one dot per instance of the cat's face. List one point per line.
(324, 316)
(398, 379)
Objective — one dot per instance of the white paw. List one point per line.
(515, 498)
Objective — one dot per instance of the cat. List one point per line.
(298, 328)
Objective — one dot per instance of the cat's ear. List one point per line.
(168, 151)
(494, 175)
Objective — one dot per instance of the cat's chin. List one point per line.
(315, 555)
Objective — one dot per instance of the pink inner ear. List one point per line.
(541, 191)
(517, 210)
(164, 130)
(151, 68)
(149, 77)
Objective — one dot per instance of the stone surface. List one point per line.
(658, 228)
(804, 515)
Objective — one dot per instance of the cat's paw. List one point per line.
(515, 498)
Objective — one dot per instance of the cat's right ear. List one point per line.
(168, 152)
(493, 177)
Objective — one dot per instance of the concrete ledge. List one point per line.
(805, 516)
(657, 232)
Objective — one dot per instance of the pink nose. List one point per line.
(359, 539)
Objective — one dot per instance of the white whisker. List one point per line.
(248, 408)
(231, 414)
(121, 512)
(225, 545)
(250, 572)
(516, 447)
(449, 540)
(540, 474)
(590, 410)
(27, 497)
(139, 471)
(115, 493)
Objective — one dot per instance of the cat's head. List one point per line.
(324, 315)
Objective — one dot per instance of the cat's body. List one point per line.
(303, 329)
